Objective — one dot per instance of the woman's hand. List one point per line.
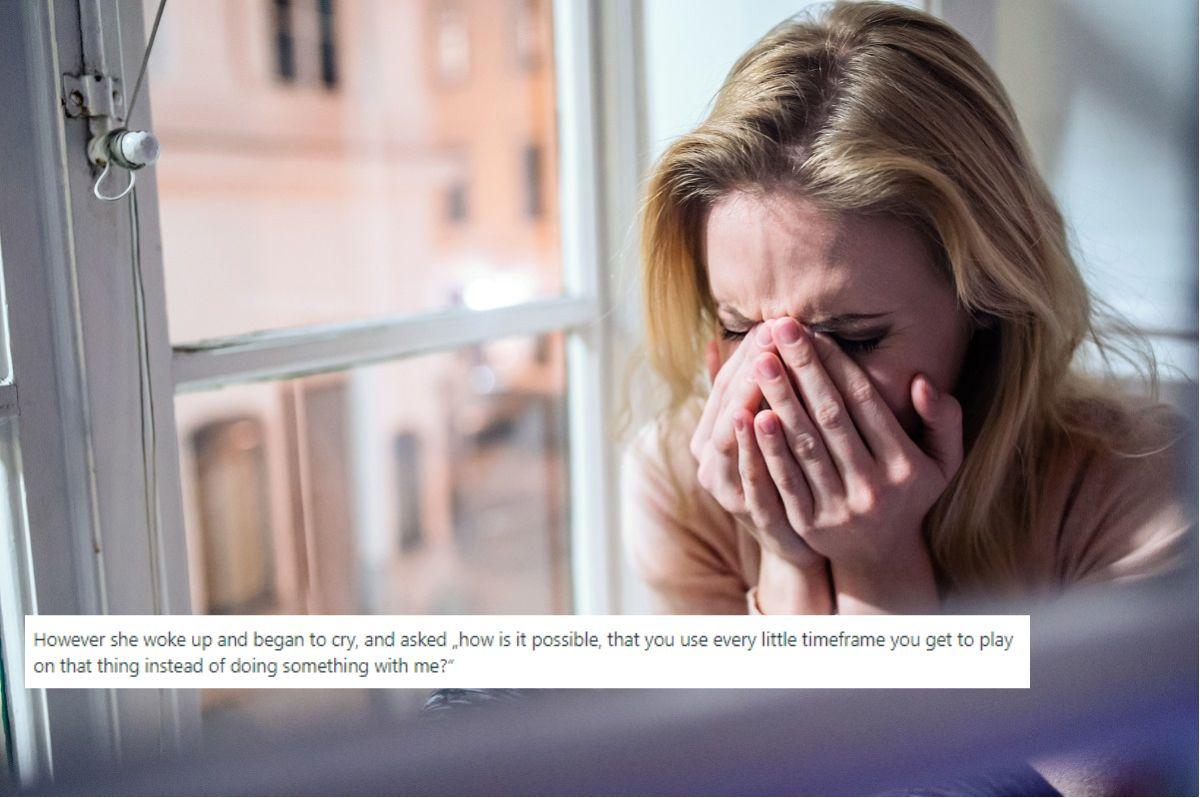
(853, 485)
(732, 469)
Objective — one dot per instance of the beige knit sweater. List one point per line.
(1109, 518)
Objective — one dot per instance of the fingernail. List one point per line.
(788, 331)
(763, 336)
(769, 368)
(768, 424)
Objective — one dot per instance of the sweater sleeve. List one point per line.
(1132, 516)
(678, 548)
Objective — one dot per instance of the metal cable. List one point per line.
(137, 86)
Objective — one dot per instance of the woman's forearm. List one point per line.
(786, 589)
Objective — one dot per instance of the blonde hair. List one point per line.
(874, 108)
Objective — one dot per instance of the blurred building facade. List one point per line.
(330, 161)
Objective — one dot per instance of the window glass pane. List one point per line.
(436, 484)
(325, 160)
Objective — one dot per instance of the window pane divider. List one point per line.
(280, 354)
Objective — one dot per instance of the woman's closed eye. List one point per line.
(848, 345)
(856, 345)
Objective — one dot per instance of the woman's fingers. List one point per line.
(942, 415)
(744, 398)
(824, 402)
(872, 417)
(742, 393)
(727, 375)
(712, 405)
(764, 501)
(794, 491)
(798, 431)
(714, 443)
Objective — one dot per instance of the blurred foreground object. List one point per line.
(1112, 670)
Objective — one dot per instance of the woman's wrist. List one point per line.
(786, 588)
(903, 585)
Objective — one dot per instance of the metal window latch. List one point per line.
(94, 97)
(100, 99)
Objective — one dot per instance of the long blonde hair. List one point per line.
(875, 108)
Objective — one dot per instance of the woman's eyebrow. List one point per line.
(734, 315)
(845, 320)
(837, 321)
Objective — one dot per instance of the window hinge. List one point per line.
(94, 97)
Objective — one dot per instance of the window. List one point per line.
(233, 516)
(283, 209)
(305, 45)
(285, 43)
(452, 44)
(532, 162)
(457, 208)
(423, 485)
(325, 24)
(528, 21)
(430, 484)
(329, 397)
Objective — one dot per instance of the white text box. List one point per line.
(526, 651)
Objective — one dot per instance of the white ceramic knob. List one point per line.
(138, 147)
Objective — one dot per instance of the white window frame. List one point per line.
(92, 548)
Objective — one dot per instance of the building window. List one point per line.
(285, 44)
(532, 169)
(406, 447)
(235, 520)
(527, 34)
(329, 72)
(456, 202)
(453, 45)
(305, 42)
